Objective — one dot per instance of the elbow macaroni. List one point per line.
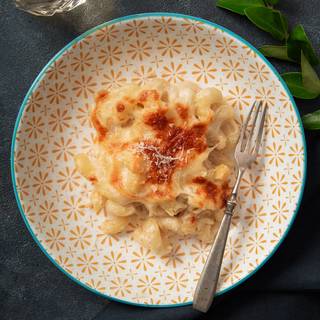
(162, 158)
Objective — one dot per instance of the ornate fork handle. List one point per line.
(208, 281)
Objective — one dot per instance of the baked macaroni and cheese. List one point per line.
(162, 161)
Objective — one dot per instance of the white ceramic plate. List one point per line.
(53, 124)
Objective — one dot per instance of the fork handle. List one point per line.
(208, 281)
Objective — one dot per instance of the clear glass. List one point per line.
(47, 7)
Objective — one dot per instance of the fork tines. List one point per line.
(251, 131)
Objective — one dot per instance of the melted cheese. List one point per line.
(153, 147)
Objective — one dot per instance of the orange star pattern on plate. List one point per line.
(55, 125)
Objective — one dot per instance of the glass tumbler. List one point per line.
(47, 7)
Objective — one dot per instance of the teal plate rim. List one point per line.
(79, 38)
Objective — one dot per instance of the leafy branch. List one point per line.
(296, 48)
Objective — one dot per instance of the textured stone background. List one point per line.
(287, 287)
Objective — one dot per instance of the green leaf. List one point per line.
(279, 52)
(269, 20)
(284, 22)
(298, 40)
(238, 6)
(311, 121)
(272, 2)
(294, 83)
(310, 78)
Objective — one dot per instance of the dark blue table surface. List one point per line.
(287, 287)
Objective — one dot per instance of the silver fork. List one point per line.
(245, 153)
